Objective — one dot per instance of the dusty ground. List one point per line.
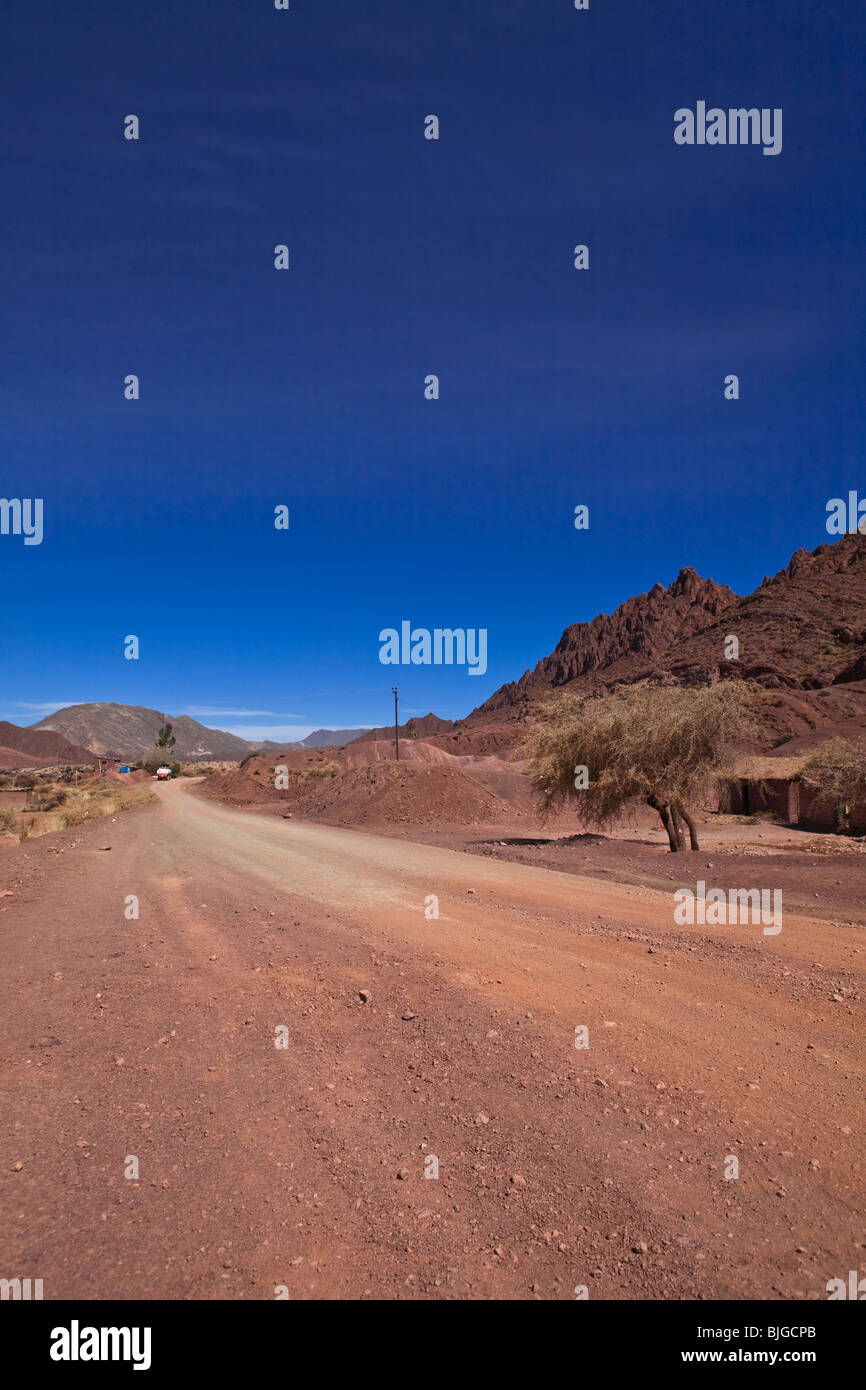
(821, 875)
(304, 1167)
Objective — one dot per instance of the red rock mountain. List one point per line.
(39, 747)
(803, 629)
(621, 646)
(801, 633)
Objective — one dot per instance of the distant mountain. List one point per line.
(321, 738)
(38, 748)
(131, 731)
(424, 727)
(330, 738)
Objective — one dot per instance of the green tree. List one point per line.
(166, 739)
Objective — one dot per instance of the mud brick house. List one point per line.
(774, 786)
(817, 816)
(765, 785)
(108, 762)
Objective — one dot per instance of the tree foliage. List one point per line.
(159, 757)
(663, 746)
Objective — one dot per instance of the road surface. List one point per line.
(415, 1045)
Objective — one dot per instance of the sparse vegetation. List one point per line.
(331, 769)
(315, 773)
(50, 802)
(664, 747)
(64, 808)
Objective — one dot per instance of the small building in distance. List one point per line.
(764, 785)
(774, 786)
(108, 762)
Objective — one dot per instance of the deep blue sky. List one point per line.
(409, 256)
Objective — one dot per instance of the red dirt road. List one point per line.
(304, 1167)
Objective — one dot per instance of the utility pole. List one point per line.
(396, 725)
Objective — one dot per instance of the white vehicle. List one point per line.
(162, 774)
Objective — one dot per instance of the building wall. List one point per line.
(778, 796)
(17, 796)
(790, 800)
(817, 816)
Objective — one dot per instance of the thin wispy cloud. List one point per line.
(45, 706)
(209, 712)
(274, 733)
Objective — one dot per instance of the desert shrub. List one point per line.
(25, 825)
(8, 819)
(159, 757)
(663, 746)
(317, 772)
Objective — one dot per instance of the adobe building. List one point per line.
(774, 786)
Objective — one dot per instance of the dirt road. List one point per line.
(302, 1168)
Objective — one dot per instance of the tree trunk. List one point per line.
(678, 825)
(693, 834)
(665, 816)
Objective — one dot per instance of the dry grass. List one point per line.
(65, 807)
(318, 771)
(315, 773)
